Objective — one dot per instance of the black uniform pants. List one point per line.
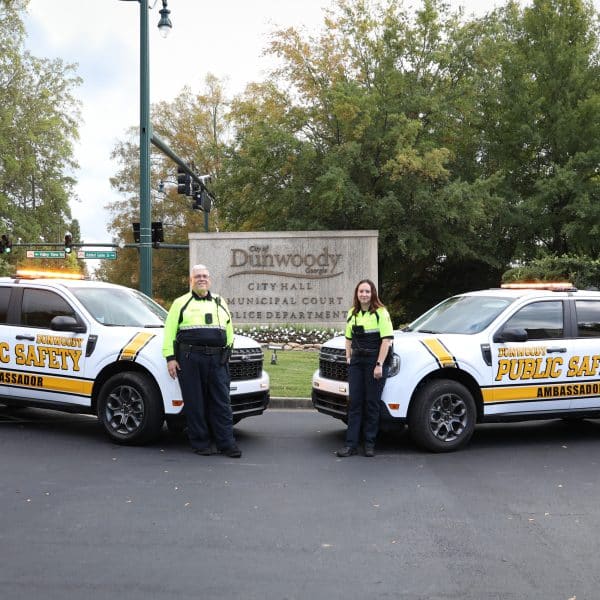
(365, 401)
(204, 383)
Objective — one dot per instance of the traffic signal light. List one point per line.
(202, 200)
(157, 234)
(197, 204)
(184, 182)
(196, 195)
(68, 243)
(5, 245)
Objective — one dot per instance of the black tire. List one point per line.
(130, 408)
(443, 416)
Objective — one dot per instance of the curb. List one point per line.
(290, 403)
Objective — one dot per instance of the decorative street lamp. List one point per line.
(164, 26)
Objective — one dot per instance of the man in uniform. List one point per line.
(197, 345)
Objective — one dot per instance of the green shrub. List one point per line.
(582, 271)
(284, 334)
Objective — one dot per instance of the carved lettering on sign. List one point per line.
(258, 260)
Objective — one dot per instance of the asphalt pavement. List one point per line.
(513, 516)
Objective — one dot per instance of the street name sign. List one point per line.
(97, 254)
(45, 253)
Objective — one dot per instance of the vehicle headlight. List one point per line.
(395, 366)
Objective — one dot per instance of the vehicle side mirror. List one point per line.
(65, 323)
(511, 334)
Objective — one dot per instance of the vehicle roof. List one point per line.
(60, 282)
(527, 292)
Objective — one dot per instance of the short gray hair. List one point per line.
(198, 268)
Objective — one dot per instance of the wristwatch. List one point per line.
(377, 364)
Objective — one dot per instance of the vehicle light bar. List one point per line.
(556, 286)
(33, 274)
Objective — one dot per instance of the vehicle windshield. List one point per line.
(460, 314)
(121, 307)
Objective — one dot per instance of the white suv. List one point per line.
(526, 351)
(94, 347)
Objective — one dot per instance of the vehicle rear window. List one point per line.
(542, 320)
(588, 318)
(41, 306)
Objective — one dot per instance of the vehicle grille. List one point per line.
(332, 364)
(246, 363)
(245, 404)
(330, 404)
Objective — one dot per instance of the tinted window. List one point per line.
(588, 318)
(4, 298)
(41, 306)
(541, 320)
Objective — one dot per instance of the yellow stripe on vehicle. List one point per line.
(47, 383)
(541, 392)
(134, 346)
(510, 394)
(80, 387)
(439, 352)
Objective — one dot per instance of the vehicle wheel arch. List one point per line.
(115, 368)
(443, 414)
(129, 404)
(453, 374)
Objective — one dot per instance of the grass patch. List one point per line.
(291, 377)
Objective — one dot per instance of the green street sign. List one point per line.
(45, 253)
(97, 254)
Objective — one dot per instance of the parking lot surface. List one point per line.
(514, 515)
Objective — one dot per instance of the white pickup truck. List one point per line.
(524, 351)
(93, 347)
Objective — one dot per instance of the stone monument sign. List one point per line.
(295, 277)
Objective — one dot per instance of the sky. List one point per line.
(226, 38)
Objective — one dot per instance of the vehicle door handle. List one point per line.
(551, 350)
(26, 337)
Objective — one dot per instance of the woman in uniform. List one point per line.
(369, 336)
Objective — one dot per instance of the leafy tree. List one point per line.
(194, 127)
(38, 123)
(361, 128)
(580, 270)
(544, 131)
(468, 144)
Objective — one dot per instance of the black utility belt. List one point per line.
(200, 349)
(361, 352)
